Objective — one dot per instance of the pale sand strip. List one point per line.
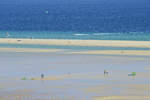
(102, 52)
(28, 50)
(129, 92)
(67, 76)
(123, 98)
(112, 43)
(116, 52)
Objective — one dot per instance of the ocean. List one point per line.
(75, 19)
(135, 36)
(80, 16)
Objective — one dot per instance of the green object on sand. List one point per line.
(32, 79)
(133, 73)
(24, 78)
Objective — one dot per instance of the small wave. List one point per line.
(136, 32)
(105, 33)
(80, 34)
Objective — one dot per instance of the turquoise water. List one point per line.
(73, 35)
(70, 47)
(136, 36)
(133, 36)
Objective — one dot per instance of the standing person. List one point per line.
(42, 76)
(105, 72)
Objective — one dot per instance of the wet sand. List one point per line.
(116, 52)
(89, 52)
(2, 49)
(73, 76)
(123, 98)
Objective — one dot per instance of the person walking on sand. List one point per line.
(42, 76)
(105, 72)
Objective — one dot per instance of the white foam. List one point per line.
(80, 34)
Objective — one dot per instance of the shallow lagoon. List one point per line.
(85, 74)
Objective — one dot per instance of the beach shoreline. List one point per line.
(67, 42)
(87, 43)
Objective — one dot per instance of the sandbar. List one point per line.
(105, 43)
(116, 52)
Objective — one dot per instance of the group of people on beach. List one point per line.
(105, 73)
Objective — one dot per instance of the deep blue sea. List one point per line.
(76, 17)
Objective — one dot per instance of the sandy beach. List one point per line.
(116, 52)
(112, 43)
(28, 50)
(73, 76)
(87, 43)
(93, 52)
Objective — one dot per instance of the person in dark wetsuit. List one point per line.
(42, 76)
(105, 72)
